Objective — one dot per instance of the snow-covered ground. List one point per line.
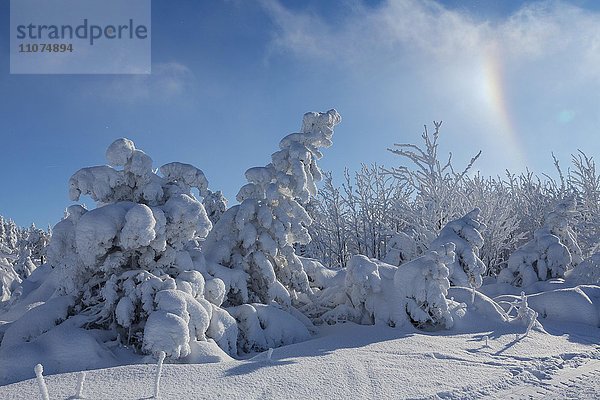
(353, 361)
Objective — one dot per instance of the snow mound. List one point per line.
(571, 305)
(265, 326)
(587, 272)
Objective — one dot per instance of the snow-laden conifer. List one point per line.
(466, 269)
(422, 286)
(132, 262)
(257, 237)
(550, 254)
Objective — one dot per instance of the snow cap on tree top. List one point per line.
(186, 174)
(317, 130)
(119, 152)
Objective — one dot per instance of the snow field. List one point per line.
(364, 362)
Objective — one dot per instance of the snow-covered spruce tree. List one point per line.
(552, 251)
(422, 286)
(560, 222)
(466, 269)
(257, 236)
(31, 252)
(9, 234)
(9, 278)
(365, 296)
(131, 263)
(37, 241)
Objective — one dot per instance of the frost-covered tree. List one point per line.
(24, 264)
(256, 238)
(552, 251)
(401, 248)
(9, 233)
(132, 264)
(438, 198)
(504, 230)
(329, 231)
(357, 218)
(467, 268)
(584, 182)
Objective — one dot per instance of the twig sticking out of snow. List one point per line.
(531, 322)
(161, 358)
(39, 369)
(486, 341)
(269, 354)
(80, 380)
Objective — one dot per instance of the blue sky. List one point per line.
(230, 78)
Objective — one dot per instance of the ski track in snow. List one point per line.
(580, 382)
(567, 376)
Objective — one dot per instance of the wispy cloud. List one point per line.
(413, 28)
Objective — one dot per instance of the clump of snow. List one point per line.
(266, 326)
(570, 305)
(65, 347)
(481, 308)
(119, 152)
(35, 322)
(214, 291)
(223, 330)
(186, 176)
(179, 319)
(586, 272)
(39, 369)
(321, 277)
(215, 205)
